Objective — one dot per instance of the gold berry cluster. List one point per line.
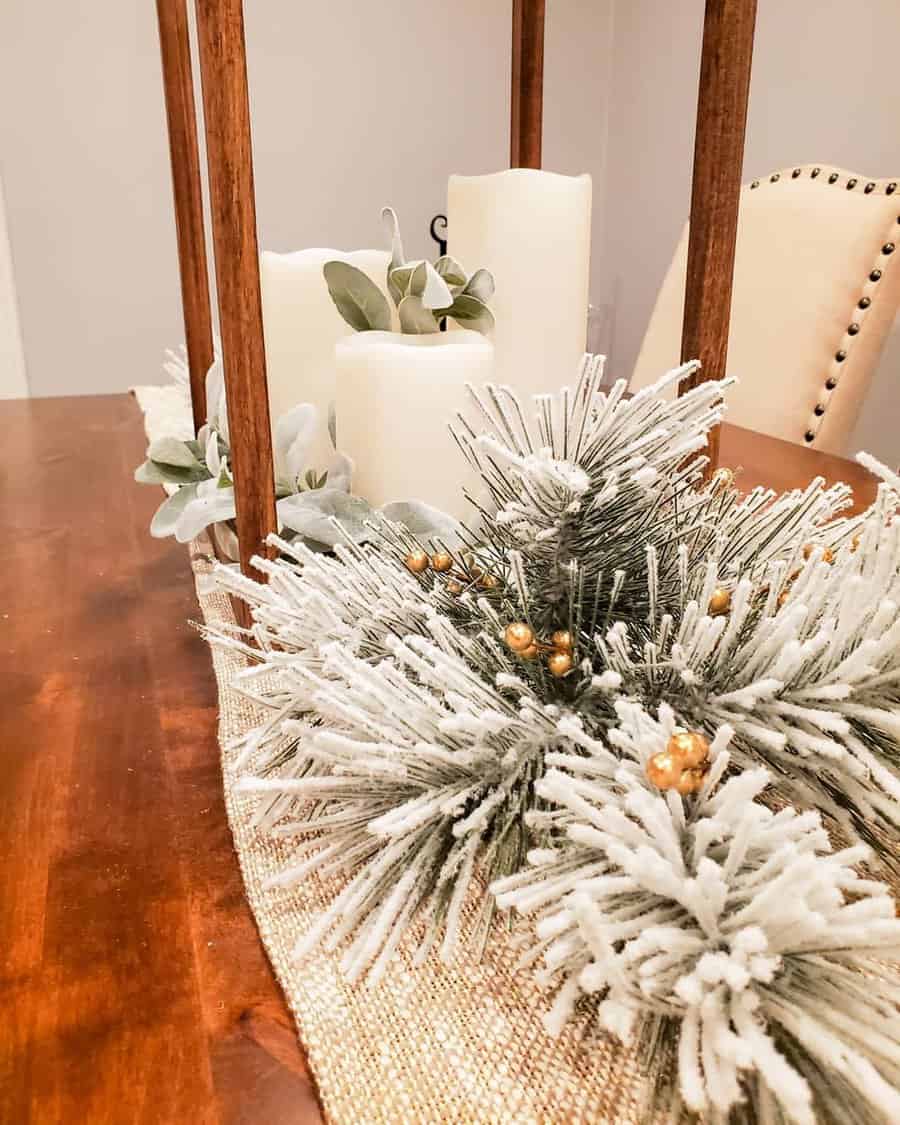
(520, 639)
(418, 561)
(827, 556)
(682, 765)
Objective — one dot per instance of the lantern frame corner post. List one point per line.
(223, 73)
(527, 84)
(187, 192)
(724, 89)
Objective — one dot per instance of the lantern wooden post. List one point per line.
(527, 101)
(181, 117)
(715, 194)
(223, 72)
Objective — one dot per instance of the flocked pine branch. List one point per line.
(723, 607)
(729, 937)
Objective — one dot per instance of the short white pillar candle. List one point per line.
(301, 327)
(532, 230)
(396, 397)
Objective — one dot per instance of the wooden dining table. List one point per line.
(133, 984)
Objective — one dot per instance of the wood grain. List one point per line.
(226, 111)
(181, 118)
(725, 62)
(527, 100)
(133, 987)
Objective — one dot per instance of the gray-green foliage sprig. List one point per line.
(424, 294)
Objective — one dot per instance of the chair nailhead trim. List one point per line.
(864, 301)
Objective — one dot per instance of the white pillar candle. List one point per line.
(532, 230)
(396, 396)
(301, 327)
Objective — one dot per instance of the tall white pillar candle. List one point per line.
(396, 396)
(301, 327)
(532, 230)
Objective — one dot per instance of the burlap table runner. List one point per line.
(437, 1044)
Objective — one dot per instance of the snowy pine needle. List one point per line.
(736, 925)
(410, 750)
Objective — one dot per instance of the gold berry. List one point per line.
(854, 543)
(663, 770)
(559, 663)
(720, 602)
(529, 653)
(688, 747)
(722, 478)
(562, 639)
(519, 636)
(454, 588)
(417, 561)
(827, 553)
(689, 782)
(783, 596)
(441, 562)
(489, 582)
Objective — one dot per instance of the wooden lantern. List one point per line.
(718, 154)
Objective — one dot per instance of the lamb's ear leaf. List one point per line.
(480, 285)
(357, 298)
(171, 451)
(428, 284)
(313, 515)
(150, 472)
(423, 521)
(470, 313)
(415, 319)
(169, 512)
(450, 270)
(397, 259)
(399, 281)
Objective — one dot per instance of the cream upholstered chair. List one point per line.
(816, 288)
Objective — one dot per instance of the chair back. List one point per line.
(816, 288)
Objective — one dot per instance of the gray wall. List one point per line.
(823, 89)
(354, 105)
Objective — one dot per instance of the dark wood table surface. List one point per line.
(133, 986)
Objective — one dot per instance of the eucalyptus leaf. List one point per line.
(340, 472)
(428, 284)
(357, 298)
(451, 271)
(170, 511)
(471, 313)
(313, 515)
(415, 319)
(480, 285)
(171, 451)
(423, 521)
